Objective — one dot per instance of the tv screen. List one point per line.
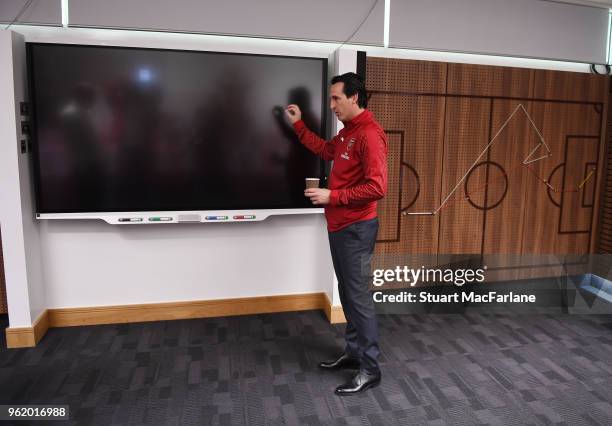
(130, 129)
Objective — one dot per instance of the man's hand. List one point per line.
(293, 113)
(318, 196)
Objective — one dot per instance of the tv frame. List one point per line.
(141, 217)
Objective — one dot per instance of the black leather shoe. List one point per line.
(360, 382)
(344, 362)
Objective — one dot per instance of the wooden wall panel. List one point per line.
(415, 126)
(604, 240)
(466, 134)
(484, 80)
(504, 206)
(580, 168)
(569, 86)
(415, 138)
(543, 231)
(507, 177)
(404, 75)
(389, 207)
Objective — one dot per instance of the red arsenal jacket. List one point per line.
(359, 173)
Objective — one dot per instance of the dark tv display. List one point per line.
(131, 129)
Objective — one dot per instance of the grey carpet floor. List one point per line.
(262, 369)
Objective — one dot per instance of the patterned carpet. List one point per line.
(261, 369)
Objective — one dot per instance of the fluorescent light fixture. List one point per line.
(609, 35)
(386, 23)
(65, 13)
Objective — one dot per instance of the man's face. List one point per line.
(344, 108)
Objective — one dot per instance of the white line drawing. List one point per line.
(526, 161)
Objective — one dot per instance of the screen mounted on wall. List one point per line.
(130, 129)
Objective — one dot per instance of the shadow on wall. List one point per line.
(3, 301)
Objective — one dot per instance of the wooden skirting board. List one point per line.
(24, 337)
(335, 314)
(27, 337)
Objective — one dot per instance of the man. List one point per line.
(358, 178)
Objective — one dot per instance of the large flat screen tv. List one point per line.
(119, 129)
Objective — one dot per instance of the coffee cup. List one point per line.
(312, 183)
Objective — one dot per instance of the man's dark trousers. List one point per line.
(351, 250)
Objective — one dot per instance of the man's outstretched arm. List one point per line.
(307, 137)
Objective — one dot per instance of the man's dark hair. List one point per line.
(353, 84)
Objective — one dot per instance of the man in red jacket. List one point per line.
(358, 178)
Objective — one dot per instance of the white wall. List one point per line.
(20, 232)
(91, 263)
